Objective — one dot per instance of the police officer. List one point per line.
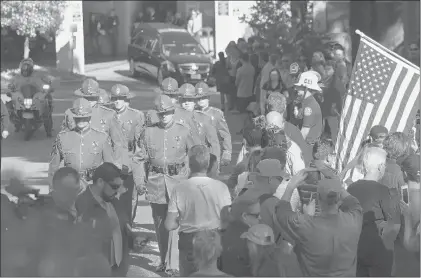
(26, 76)
(83, 148)
(103, 119)
(203, 124)
(169, 87)
(218, 120)
(160, 164)
(129, 120)
(312, 124)
(104, 99)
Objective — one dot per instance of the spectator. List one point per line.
(323, 161)
(233, 54)
(277, 102)
(325, 244)
(206, 250)
(190, 21)
(151, 15)
(253, 118)
(244, 83)
(169, 17)
(342, 70)
(140, 18)
(195, 206)
(112, 30)
(263, 59)
(111, 232)
(275, 135)
(274, 84)
(264, 258)
(411, 212)
(220, 73)
(178, 20)
(283, 65)
(318, 63)
(266, 70)
(396, 145)
(251, 143)
(94, 33)
(375, 246)
(254, 61)
(244, 213)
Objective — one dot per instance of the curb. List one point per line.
(104, 65)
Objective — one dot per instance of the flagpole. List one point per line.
(362, 35)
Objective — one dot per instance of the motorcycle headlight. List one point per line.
(27, 102)
(46, 87)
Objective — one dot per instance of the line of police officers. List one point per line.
(151, 150)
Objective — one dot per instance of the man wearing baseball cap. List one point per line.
(327, 242)
(312, 126)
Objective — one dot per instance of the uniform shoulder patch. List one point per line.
(307, 111)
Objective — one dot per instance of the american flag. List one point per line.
(384, 90)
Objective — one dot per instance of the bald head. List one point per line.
(274, 118)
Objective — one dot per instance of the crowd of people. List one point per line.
(284, 211)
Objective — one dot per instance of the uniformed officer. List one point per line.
(103, 119)
(129, 120)
(312, 115)
(169, 87)
(218, 120)
(160, 164)
(104, 99)
(203, 124)
(83, 148)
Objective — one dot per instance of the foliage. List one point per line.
(27, 17)
(275, 23)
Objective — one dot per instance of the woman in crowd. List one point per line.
(274, 84)
(206, 250)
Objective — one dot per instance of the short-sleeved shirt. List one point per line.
(325, 245)
(312, 118)
(199, 202)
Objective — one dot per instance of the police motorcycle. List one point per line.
(32, 108)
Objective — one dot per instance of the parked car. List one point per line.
(162, 50)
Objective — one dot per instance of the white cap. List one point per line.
(310, 80)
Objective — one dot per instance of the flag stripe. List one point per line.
(363, 129)
(402, 86)
(406, 103)
(352, 120)
(407, 112)
(387, 94)
(340, 138)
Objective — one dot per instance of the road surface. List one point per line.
(33, 158)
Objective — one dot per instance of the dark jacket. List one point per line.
(92, 213)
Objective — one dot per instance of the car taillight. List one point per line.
(27, 102)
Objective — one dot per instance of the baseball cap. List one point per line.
(260, 234)
(329, 189)
(411, 167)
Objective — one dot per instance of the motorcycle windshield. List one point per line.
(28, 91)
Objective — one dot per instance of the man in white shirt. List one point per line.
(195, 205)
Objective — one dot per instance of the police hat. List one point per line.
(169, 86)
(90, 89)
(120, 91)
(163, 104)
(187, 91)
(81, 108)
(202, 90)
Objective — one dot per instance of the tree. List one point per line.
(286, 25)
(29, 17)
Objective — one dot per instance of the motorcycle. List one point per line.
(32, 109)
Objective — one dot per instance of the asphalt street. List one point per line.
(33, 157)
